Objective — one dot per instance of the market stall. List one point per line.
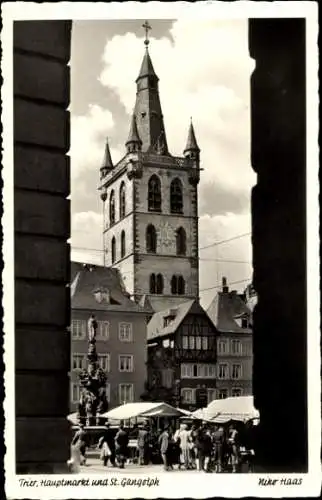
(131, 414)
(239, 409)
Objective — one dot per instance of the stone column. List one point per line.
(278, 153)
(42, 255)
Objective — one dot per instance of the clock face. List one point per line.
(166, 235)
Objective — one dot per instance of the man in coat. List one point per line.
(164, 444)
(143, 444)
(121, 444)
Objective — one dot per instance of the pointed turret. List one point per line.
(134, 143)
(107, 164)
(192, 149)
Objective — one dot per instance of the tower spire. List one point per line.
(192, 148)
(147, 110)
(107, 164)
(134, 142)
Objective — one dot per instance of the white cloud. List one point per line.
(87, 240)
(212, 268)
(88, 137)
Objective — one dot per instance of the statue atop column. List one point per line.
(92, 329)
(93, 401)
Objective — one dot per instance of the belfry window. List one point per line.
(123, 249)
(174, 285)
(181, 241)
(151, 239)
(113, 247)
(122, 201)
(154, 194)
(112, 208)
(176, 198)
(152, 283)
(178, 285)
(181, 286)
(156, 284)
(159, 284)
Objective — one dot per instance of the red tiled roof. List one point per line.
(225, 308)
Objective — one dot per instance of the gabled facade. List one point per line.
(232, 318)
(150, 202)
(121, 336)
(182, 356)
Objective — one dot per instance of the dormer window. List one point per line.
(169, 317)
(102, 295)
(167, 321)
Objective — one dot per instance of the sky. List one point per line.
(204, 70)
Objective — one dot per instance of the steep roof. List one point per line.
(146, 304)
(225, 309)
(191, 140)
(156, 326)
(147, 68)
(87, 279)
(148, 111)
(107, 163)
(133, 134)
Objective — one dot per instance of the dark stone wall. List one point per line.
(278, 151)
(42, 255)
(42, 220)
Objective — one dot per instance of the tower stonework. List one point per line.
(151, 206)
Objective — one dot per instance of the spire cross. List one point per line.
(147, 28)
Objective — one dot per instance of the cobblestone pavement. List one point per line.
(95, 466)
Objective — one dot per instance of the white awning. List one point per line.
(132, 410)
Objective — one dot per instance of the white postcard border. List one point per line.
(210, 485)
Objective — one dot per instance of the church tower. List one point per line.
(150, 202)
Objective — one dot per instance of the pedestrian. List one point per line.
(143, 444)
(107, 446)
(79, 441)
(121, 446)
(233, 447)
(207, 449)
(200, 446)
(193, 446)
(173, 451)
(164, 444)
(182, 438)
(218, 440)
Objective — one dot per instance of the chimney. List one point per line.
(225, 288)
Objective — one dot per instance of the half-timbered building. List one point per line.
(182, 354)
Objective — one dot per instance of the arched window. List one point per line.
(176, 198)
(177, 285)
(154, 194)
(181, 241)
(181, 286)
(151, 239)
(174, 285)
(123, 249)
(113, 247)
(122, 200)
(152, 283)
(159, 284)
(112, 207)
